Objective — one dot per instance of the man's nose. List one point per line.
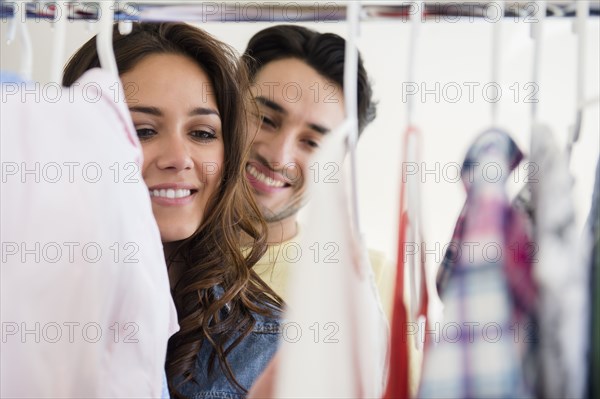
(279, 150)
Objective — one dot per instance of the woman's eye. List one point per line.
(144, 134)
(203, 135)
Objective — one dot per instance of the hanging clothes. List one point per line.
(476, 355)
(10, 77)
(85, 297)
(593, 384)
(398, 379)
(405, 360)
(275, 268)
(560, 272)
(334, 341)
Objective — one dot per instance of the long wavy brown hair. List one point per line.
(213, 256)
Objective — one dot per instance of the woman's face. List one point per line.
(174, 110)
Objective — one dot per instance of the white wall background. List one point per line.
(448, 53)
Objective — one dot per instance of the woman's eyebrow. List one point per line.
(157, 112)
(146, 110)
(204, 111)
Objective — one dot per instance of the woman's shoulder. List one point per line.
(269, 323)
(247, 361)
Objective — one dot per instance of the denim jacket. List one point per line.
(247, 361)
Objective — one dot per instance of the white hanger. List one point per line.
(412, 50)
(413, 188)
(537, 34)
(11, 29)
(351, 102)
(583, 11)
(19, 24)
(580, 28)
(496, 59)
(538, 131)
(104, 43)
(125, 27)
(58, 39)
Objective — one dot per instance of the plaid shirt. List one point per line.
(484, 278)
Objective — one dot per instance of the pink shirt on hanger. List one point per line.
(86, 309)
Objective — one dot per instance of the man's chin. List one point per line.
(275, 217)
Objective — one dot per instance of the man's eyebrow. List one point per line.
(319, 129)
(146, 110)
(271, 104)
(278, 108)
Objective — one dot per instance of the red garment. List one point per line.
(397, 386)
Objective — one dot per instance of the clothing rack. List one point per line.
(295, 11)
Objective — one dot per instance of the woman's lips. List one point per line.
(172, 194)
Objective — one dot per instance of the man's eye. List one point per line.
(267, 121)
(203, 135)
(145, 133)
(312, 143)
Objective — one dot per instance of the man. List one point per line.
(297, 76)
(297, 79)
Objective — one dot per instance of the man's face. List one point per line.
(297, 107)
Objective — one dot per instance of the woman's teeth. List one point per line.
(171, 193)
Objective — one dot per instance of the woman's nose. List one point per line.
(174, 153)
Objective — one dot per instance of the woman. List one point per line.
(187, 96)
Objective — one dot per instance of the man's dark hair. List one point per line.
(325, 52)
